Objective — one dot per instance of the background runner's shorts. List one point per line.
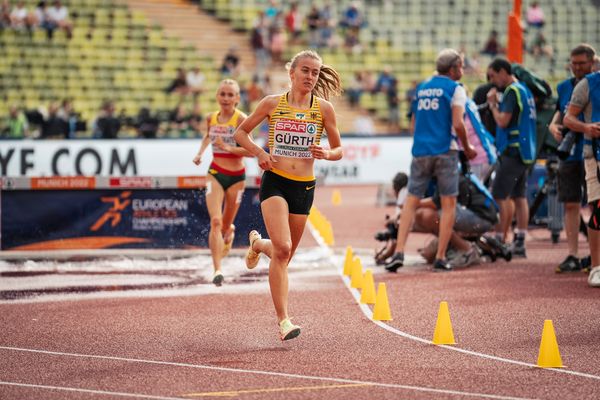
(298, 194)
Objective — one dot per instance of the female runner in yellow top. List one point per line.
(226, 174)
(297, 119)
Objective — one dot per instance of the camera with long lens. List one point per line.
(390, 232)
(566, 144)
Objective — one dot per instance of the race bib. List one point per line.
(292, 138)
(225, 133)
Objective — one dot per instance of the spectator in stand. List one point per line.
(195, 82)
(17, 126)
(255, 92)
(492, 46)
(313, 22)
(58, 17)
(393, 102)
(277, 44)
(146, 124)
(384, 80)
(272, 11)
(179, 84)
(293, 23)
(354, 89)
(107, 125)
(471, 62)
(4, 15)
(179, 119)
(535, 15)
(259, 40)
(53, 126)
(68, 114)
(231, 63)
(409, 96)
(353, 18)
(540, 47)
(326, 24)
(21, 19)
(195, 119)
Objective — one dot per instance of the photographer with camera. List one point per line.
(515, 116)
(586, 100)
(389, 234)
(571, 170)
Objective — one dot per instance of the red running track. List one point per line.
(225, 344)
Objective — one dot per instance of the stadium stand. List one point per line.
(115, 53)
(118, 52)
(406, 35)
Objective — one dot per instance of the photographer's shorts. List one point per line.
(298, 194)
(591, 179)
(571, 180)
(443, 166)
(511, 175)
(469, 223)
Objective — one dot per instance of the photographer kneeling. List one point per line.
(476, 213)
(390, 233)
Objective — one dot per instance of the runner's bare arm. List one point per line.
(242, 133)
(204, 144)
(335, 151)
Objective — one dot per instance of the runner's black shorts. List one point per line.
(299, 195)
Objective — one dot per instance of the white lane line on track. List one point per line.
(90, 391)
(250, 371)
(369, 314)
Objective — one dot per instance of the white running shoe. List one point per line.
(594, 277)
(287, 330)
(252, 256)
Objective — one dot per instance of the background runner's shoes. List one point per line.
(252, 256)
(288, 330)
(227, 245)
(218, 279)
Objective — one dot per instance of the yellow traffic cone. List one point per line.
(367, 295)
(336, 197)
(443, 328)
(348, 261)
(381, 311)
(356, 279)
(549, 356)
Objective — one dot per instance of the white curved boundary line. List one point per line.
(369, 314)
(241, 371)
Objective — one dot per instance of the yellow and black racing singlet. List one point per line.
(291, 131)
(225, 132)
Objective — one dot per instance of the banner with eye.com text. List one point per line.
(367, 160)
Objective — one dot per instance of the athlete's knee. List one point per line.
(282, 250)
(216, 223)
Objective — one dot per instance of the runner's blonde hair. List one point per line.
(329, 82)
